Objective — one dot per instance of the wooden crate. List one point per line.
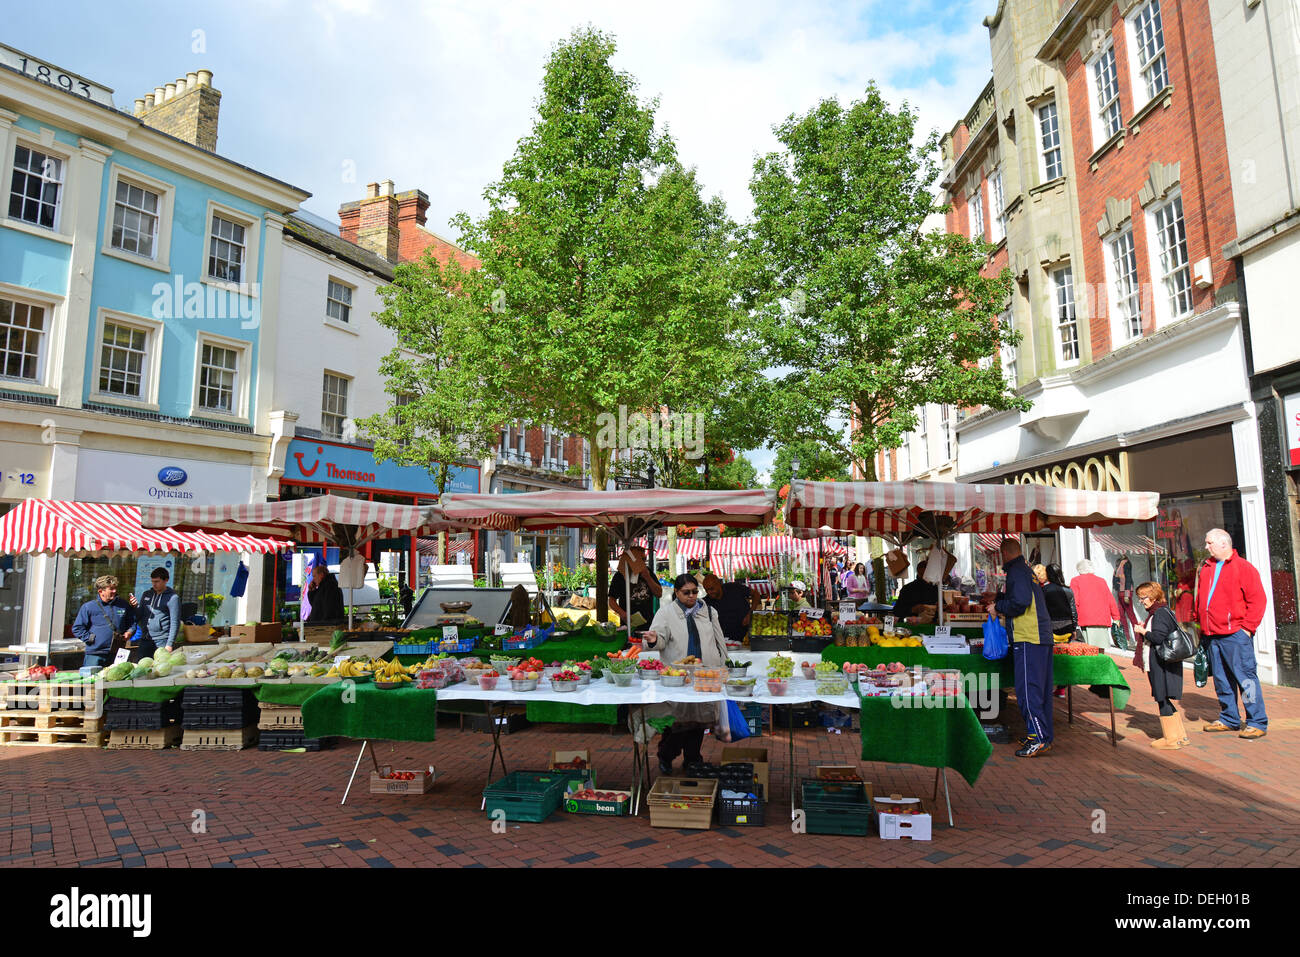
(422, 783)
(52, 696)
(50, 721)
(206, 740)
(276, 717)
(156, 740)
(59, 737)
(682, 802)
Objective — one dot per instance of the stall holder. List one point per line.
(91, 530)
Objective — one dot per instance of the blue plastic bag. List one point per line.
(736, 722)
(995, 639)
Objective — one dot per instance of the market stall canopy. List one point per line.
(87, 529)
(901, 511)
(627, 514)
(429, 546)
(756, 550)
(345, 522)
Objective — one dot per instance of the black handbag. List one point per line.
(1178, 646)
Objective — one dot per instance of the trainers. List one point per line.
(1033, 748)
(1253, 733)
(665, 767)
(1217, 726)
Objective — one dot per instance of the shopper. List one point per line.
(858, 583)
(1095, 604)
(686, 626)
(159, 614)
(645, 586)
(102, 620)
(327, 606)
(1166, 677)
(1122, 584)
(1230, 603)
(798, 590)
(1024, 607)
(734, 602)
(916, 592)
(1060, 606)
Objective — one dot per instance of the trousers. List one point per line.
(1232, 662)
(1033, 666)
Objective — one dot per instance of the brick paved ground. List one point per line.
(1221, 802)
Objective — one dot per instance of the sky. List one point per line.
(330, 95)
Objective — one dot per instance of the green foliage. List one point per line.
(867, 314)
(816, 461)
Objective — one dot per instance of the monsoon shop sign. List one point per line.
(1097, 474)
(327, 463)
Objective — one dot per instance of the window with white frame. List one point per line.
(36, 188)
(904, 464)
(1149, 50)
(998, 203)
(219, 379)
(1008, 352)
(227, 250)
(945, 421)
(338, 301)
(1127, 295)
(1067, 325)
(1109, 118)
(975, 210)
(135, 220)
(123, 361)
(22, 340)
(1051, 163)
(334, 405)
(1175, 270)
(924, 437)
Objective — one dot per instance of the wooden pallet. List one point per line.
(279, 717)
(52, 696)
(154, 740)
(49, 721)
(62, 737)
(236, 739)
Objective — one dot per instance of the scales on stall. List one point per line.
(488, 605)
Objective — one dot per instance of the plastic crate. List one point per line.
(741, 812)
(810, 644)
(154, 720)
(784, 716)
(427, 648)
(835, 719)
(520, 644)
(769, 644)
(702, 770)
(737, 777)
(216, 699)
(836, 807)
(219, 720)
(456, 647)
(526, 795)
(284, 739)
(126, 704)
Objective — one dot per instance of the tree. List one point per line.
(439, 414)
(867, 314)
(815, 462)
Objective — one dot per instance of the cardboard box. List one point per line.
(422, 783)
(893, 826)
(199, 635)
(755, 756)
(256, 632)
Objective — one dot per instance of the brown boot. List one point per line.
(1174, 735)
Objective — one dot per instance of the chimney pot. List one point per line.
(139, 105)
(372, 190)
(191, 80)
(148, 101)
(205, 77)
(169, 91)
(387, 187)
(159, 94)
(180, 86)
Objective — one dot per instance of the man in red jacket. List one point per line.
(1230, 604)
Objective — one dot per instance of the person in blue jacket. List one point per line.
(99, 620)
(159, 611)
(1029, 629)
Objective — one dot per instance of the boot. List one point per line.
(1174, 735)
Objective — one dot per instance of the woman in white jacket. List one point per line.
(682, 627)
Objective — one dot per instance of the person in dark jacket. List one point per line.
(159, 613)
(1061, 608)
(1024, 607)
(1166, 677)
(916, 592)
(326, 597)
(101, 619)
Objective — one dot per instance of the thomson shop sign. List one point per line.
(127, 479)
(326, 464)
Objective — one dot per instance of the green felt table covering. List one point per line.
(1066, 669)
(290, 694)
(945, 735)
(402, 714)
(157, 695)
(556, 713)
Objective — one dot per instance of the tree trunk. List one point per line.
(602, 574)
(868, 468)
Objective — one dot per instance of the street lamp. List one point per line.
(794, 468)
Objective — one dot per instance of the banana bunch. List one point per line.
(351, 668)
(391, 671)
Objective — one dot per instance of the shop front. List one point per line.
(314, 467)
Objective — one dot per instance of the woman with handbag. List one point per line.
(1165, 663)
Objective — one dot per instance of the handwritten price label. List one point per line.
(450, 633)
(814, 612)
(501, 630)
(943, 631)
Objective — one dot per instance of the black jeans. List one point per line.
(674, 742)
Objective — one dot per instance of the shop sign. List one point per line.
(1097, 474)
(129, 479)
(1291, 416)
(325, 463)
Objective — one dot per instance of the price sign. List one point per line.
(502, 630)
(943, 631)
(848, 607)
(889, 624)
(814, 612)
(339, 659)
(122, 655)
(450, 633)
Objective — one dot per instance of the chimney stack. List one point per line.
(187, 108)
(371, 222)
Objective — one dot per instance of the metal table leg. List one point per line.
(353, 776)
(496, 750)
(640, 762)
(1110, 700)
(943, 773)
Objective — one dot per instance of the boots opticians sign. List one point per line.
(127, 479)
(1107, 473)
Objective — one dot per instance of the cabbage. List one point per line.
(145, 663)
(164, 669)
(118, 672)
(142, 670)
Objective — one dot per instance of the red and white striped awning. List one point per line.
(628, 514)
(344, 522)
(989, 541)
(429, 546)
(759, 551)
(88, 529)
(902, 510)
